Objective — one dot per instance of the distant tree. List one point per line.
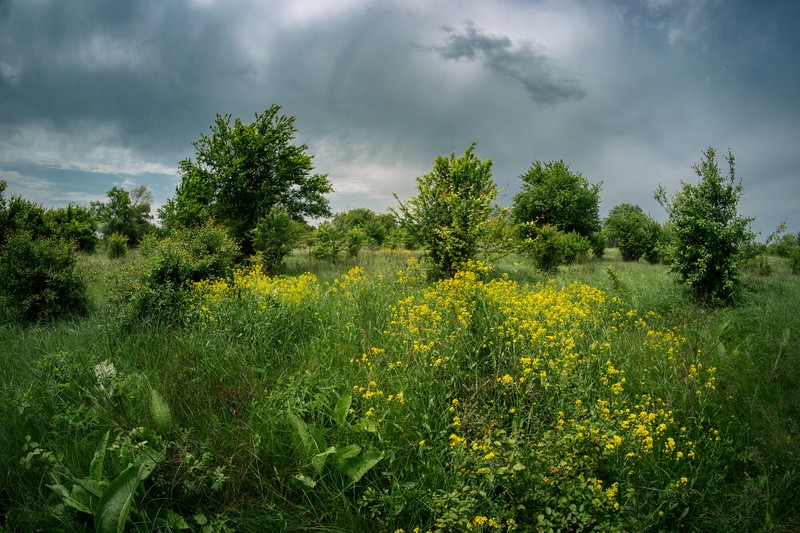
(363, 224)
(19, 214)
(125, 213)
(243, 171)
(552, 194)
(74, 223)
(709, 237)
(632, 231)
(449, 215)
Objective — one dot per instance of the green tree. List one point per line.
(274, 237)
(243, 171)
(74, 223)
(632, 231)
(126, 213)
(19, 214)
(552, 194)
(709, 238)
(449, 215)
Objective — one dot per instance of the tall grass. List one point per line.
(364, 398)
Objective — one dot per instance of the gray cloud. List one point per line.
(522, 63)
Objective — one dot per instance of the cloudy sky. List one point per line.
(98, 93)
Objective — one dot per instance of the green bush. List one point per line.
(547, 247)
(169, 264)
(39, 279)
(709, 238)
(116, 245)
(274, 237)
(74, 223)
(632, 231)
(328, 242)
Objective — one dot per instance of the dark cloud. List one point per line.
(533, 70)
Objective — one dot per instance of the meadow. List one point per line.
(361, 396)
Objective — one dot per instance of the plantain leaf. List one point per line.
(342, 408)
(318, 461)
(356, 467)
(96, 466)
(115, 503)
(160, 412)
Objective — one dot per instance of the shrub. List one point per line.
(450, 213)
(185, 255)
(116, 245)
(547, 247)
(710, 239)
(328, 242)
(633, 232)
(39, 279)
(274, 237)
(73, 223)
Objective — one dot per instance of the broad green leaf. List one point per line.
(303, 482)
(318, 461)
(346, 453)
(115, 504)
(77, 499)
(160, 412)
(303, 433)
(342, 408)
(96, 466)
(91, 485)
(356, 467)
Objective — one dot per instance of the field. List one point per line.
(360, 396)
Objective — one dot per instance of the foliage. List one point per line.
(274, 237)
(449, 215)
(158, 284)
(116, 245)
(552, 194)
(126, 213)
(633, 232)
(709, 237)
(550, 247)
(74, 223)
(374, 228)
(19, 214)
(328, 243)
(39, 279)
(243, 171)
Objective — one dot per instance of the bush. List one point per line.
(171, 263)
(633, 232)
(274, 237)
(328, 242)
(116, 245)
(39, 279)
(73, 223)
(547, 247)
(710, 239)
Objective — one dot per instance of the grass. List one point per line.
(360, 399)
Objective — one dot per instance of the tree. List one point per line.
(241, 172)
(19, 214)
(126, 213)
(632, 231)
(450, 212)
(74, 223)
(709, 238)
(552, 194)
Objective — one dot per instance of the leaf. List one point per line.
(303, 482)
(303, 433)
(78, 498)
(346, 453)
(96, 466)
(342, 408)
(356, 467)
(318, 461)
(160, 412)
(115, 504)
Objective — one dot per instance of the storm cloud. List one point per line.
(95, 93)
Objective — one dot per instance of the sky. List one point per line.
(102, 93)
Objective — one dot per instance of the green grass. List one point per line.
(270, 399)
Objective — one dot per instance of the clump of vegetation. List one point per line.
(40, 279)
(450, 213)
(633, 232)
(116, 245)
(709, 239)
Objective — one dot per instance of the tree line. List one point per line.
(249, 192)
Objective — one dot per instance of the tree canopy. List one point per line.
(552, 194)
(126, 213)
(241, 172)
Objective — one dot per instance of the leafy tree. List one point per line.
(632, 231)
(74, 223)
(709, 237)
(19, 214)
(274, 237)
(449, 215)
(243, 171)
(370, 227)
(552, 194)
(126, 213)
